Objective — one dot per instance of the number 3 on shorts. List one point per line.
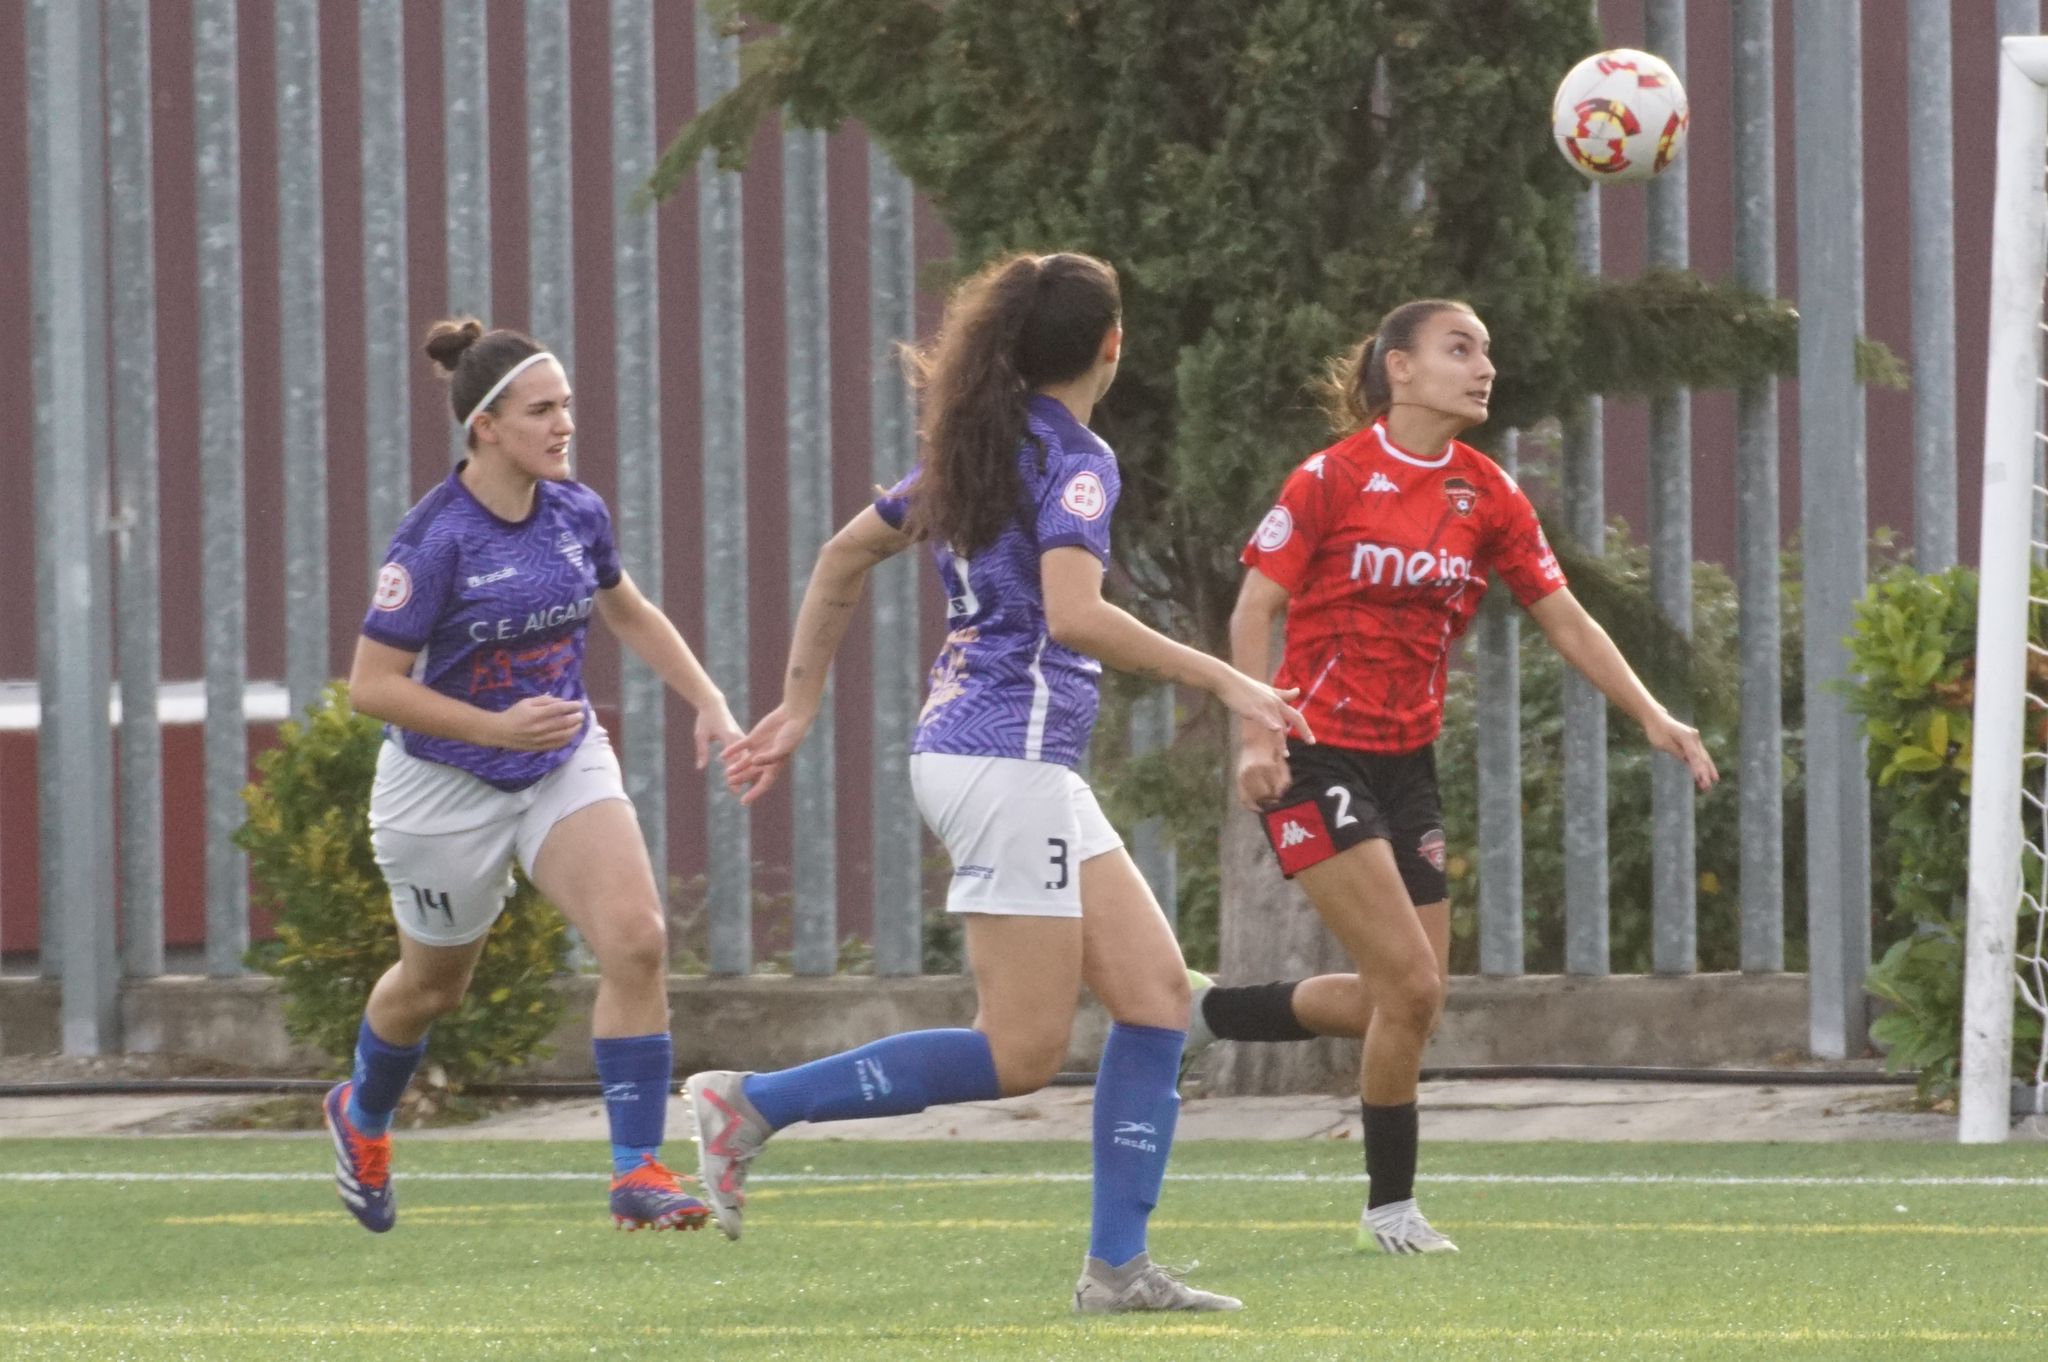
(1059, 861)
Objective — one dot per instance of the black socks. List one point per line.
(1390, 1139)
(1254, 1012)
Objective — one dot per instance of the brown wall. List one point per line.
(1708, 161)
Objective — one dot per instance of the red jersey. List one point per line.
(1384, 555)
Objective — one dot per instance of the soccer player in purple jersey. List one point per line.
(472, 653)
(1014, 497)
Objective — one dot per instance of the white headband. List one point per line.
(515, 371)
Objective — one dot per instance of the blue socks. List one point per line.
(1136, 1105)
(382, 1070)
(636, 1072)
(893, 1076)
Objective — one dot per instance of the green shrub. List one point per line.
(1914, 647)
(308, 839)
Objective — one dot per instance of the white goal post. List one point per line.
(2009, 776)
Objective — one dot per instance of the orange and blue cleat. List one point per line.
(652, 1198)
(362, 1165)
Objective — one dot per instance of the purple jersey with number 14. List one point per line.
(497, 611)
(1002, 687)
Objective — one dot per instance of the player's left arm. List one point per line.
(642, 626)
(1581, 641)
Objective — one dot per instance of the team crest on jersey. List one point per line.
(1462, 495)
(570, 547)
(1084, 496)
(1276, 529)
(394, 587)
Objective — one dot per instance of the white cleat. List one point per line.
(1398, 1227)
(729, 1134)
(1140, 1284)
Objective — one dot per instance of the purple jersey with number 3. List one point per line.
(1002, 687)
(497, 611)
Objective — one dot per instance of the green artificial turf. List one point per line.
(965, 1250)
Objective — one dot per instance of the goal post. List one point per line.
(2009, 776)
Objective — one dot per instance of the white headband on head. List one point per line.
(515, 371)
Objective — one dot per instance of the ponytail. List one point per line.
(1354, 389)
(1021, 322)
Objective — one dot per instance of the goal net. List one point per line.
(2005, 983)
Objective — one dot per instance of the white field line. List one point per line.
(1487, 1179)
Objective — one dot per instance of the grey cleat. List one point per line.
(729, 1134)
(1140, 1284)
(1398, 1227)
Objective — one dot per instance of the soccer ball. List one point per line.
(1620, 115)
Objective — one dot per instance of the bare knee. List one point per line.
(1026, 1062)
(1412, 1001)
(635, 949)
(1161, 997)
(435, 996)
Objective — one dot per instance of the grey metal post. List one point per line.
(898, 843)
(465, 85)
(68, 216)
(224, 573)
(387, 352)
(1497, 643)
(1930, 142)
(303, 333)
(722, 336)
(1152, 848)
(49, 814)
(1675, 886)
(1827, 42)
(137, 539)
(1585, 708)
(807, 305)
(643, 697)
(550, 239)
(1756, 529)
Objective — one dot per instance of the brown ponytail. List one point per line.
(1354, 389)
(1020, 323)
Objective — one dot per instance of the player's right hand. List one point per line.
(753, 763)
(1260, 706)
(1262, 772)
(539, 723)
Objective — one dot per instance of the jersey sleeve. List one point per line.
(1288, 537)
(894, 505)
(1074, 503)
(412, 589)
(603, 547)
(1521, 553)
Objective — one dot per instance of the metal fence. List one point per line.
(747, 305)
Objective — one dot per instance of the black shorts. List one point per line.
(1341, 797)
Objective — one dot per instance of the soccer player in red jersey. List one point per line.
(1378, 551)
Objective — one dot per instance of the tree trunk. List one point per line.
(1269, 932)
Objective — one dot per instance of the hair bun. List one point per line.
(449, 338)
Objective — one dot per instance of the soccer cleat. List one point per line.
(729, 1134)
(362, 1165)
(652, 1198)
(1140, 1284)
(1200, 1037)
(1398, 1227)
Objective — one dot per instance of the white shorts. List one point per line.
(1017, 831)
(446, 841)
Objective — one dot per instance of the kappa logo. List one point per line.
(1084, 496)
(1293, 834)
(1315, 465)
(1275, 530)
(394, 587)
(1380, 482)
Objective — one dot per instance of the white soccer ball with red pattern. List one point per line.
(1620, 115)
